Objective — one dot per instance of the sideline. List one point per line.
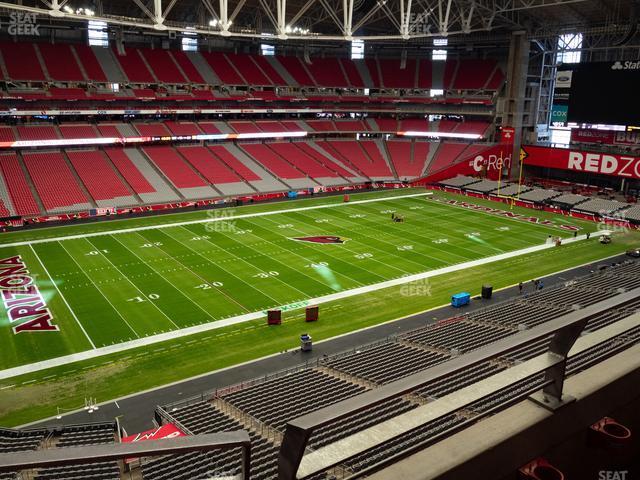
(221, 218)
(205, 327)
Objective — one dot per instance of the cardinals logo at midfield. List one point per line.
(322, 239)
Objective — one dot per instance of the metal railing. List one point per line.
(55, 457)
(296, 461)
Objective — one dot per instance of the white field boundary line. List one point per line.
(62, 297)
(255, 360)
(205, 327)
(222, 218)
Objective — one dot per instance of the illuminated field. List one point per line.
(120, 286)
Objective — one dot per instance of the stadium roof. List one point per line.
(340, 20)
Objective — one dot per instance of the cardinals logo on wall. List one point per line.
(322, 239)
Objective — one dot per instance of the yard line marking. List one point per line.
(62, 297)
(100, 291)
(7, 386)
(356, 225)
(188, 297)
(210, 220)
(135, 286)
(306, 259)
(346, 247)
(205, 327)
(220, 267)
(259, 270)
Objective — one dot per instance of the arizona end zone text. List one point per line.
(25, 306)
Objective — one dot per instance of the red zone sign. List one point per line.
(624, 166)
(26, 308)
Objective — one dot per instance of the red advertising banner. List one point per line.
(507, 135)
(490, 163)
(168, 430)
(624, 166)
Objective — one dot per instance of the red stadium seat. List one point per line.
(248, 69)
(37, 132)
(129, 171)
(223, 68)
(446, 155)
(187, 66)
(183, 128)
(174, 167)
(60, 62)
(271, 161)
(18, 185)
(22, 61)
(233, 163)
(162, 65)
(301, 160)
(54, 181)
(209, 165)
(78, 131)
(327, 72)
(295, 68)
(97, 174)
(90, 63)
(133, 66)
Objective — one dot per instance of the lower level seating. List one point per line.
(97, 174)
(18, 185)
(56, 185)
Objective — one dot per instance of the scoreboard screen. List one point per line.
(605, 93)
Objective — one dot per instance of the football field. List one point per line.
(108, 284)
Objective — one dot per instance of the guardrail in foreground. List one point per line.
(101, 453)
(294, 464)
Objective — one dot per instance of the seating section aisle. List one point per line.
(279, 167)
(215, 170)
(319, 154)
(90, 63)
(133, 66)
(181, 175)
(18, 185)
(44, 62)
(305, 163)
(408, 157)
(140, 175)
(6, 205)
(100, 178)
(56, 185)
(21, 61)
(446, 155)
(60, 62)
(163, 65)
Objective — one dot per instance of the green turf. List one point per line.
(98, 287)
(129, 285)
